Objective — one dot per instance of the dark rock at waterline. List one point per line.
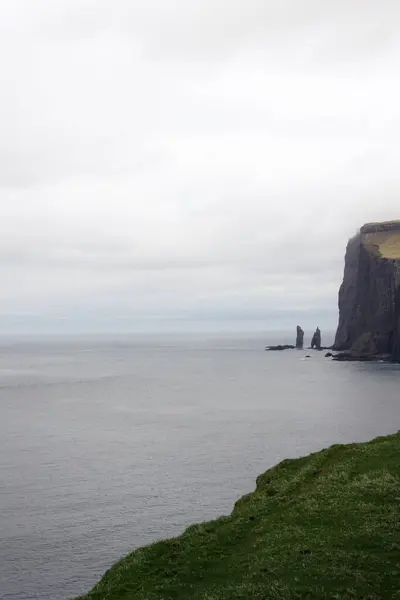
(348, 356)
(299, 338)
(281, 347)
(354, 357)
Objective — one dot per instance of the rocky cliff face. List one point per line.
(369, 297)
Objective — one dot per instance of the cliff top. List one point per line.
(382, 226)
(319, 527)
(383, 237)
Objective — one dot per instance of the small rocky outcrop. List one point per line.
(369, 297)
(281, 347)
(299, 338)
(316, 340)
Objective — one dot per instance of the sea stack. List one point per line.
(299, 338)
(369, 297)
(316, 339)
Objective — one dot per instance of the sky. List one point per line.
(190, 164)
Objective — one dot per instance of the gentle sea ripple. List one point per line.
(108, 446)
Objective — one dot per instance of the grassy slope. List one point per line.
(323, 526)
(386, 242)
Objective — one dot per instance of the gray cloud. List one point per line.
(182, 161)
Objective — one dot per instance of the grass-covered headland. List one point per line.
(323, 526)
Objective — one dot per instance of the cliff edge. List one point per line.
(320, 527)
(369, 297)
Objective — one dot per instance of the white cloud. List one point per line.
(187, 158)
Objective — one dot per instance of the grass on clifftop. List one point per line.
(386, 242)
(323, 526)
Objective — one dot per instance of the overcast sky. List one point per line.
(191, 163)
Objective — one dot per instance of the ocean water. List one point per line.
(109, 445)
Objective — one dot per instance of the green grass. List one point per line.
(387, 243)
(323, 526)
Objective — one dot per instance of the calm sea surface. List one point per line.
(106, 446)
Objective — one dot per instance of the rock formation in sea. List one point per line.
(369, 297)
(281, 347)
(299, 338)
(316, 339)
(299, 342)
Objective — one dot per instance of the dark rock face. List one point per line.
(299, 337)
(316, 339)
(369, 297)
(345, 334)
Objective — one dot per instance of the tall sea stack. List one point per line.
(369, 297)
(299, 338)
(316, 339)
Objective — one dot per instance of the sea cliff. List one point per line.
(369, 297)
